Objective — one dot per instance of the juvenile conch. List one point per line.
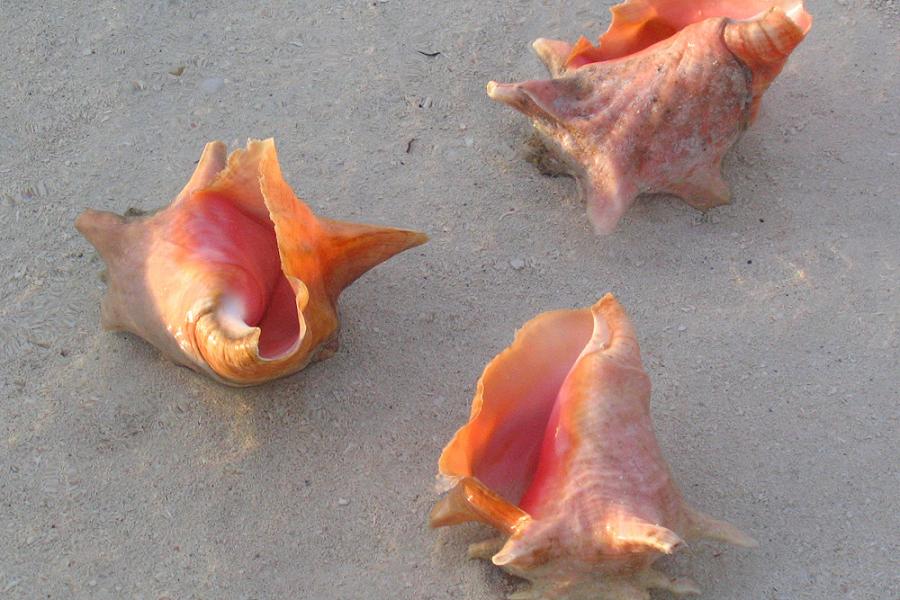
(236, 278)
(657, 104)
(559, 456)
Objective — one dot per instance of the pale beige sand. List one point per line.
(769, 327)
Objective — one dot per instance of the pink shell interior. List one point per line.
(519, 409)
(238, 237)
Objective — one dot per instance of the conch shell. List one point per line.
(655, 107)
(236, 278)
(559, 456)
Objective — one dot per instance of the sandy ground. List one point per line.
(769, 327)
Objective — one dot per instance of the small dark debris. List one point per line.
(428, 54)
(135, 212)
(762, 220)
(749, 262)
(64, 352)
(409, 145)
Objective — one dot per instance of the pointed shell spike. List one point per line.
(355, 248)
(471, 500)
(553, 53)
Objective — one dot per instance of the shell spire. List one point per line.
(764, 44)
(237, 277)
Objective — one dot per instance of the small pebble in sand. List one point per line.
(517, 263)
(211, 85)
(343, 502)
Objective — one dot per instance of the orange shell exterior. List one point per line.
(236, 278)
(560, 457)
(657, 105)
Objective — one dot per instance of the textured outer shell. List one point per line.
(658, 104)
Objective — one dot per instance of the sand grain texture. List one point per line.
(769, 327)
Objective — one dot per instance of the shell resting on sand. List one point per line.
(236, 278)
(560, 457)
(658, 103)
